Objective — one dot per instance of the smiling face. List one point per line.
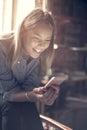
(37, 40)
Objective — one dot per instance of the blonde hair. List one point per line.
(29, 22)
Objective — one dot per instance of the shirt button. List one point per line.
(18, 62)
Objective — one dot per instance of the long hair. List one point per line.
(29, 22)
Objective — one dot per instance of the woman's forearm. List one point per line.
(16, 97)
(19, 97)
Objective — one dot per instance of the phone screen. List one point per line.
(58, 80)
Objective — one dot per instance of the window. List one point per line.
(12, 12)
(24, 7)
(5, 15)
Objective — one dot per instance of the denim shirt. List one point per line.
(24, 77)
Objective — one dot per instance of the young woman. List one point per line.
(25, 59)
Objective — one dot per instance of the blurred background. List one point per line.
(70, 58)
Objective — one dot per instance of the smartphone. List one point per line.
(56, 80)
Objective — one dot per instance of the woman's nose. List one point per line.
(42, 44)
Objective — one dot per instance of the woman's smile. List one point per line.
(37, 50)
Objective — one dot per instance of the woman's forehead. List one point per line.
(40, 29)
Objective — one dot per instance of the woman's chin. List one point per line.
(35, 56)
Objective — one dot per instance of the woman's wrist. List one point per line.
(30, 96)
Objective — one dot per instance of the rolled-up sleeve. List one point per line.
(7, 80)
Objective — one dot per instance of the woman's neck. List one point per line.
(26, 57)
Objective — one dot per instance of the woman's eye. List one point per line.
(36, 40)
(48, 42)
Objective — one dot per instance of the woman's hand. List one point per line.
(48, 97)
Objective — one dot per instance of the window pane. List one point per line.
(5, 15)
(1, 13)
(23, 9)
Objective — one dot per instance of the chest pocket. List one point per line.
(23, 70)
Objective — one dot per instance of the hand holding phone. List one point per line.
(58, 80)
(54, 81)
